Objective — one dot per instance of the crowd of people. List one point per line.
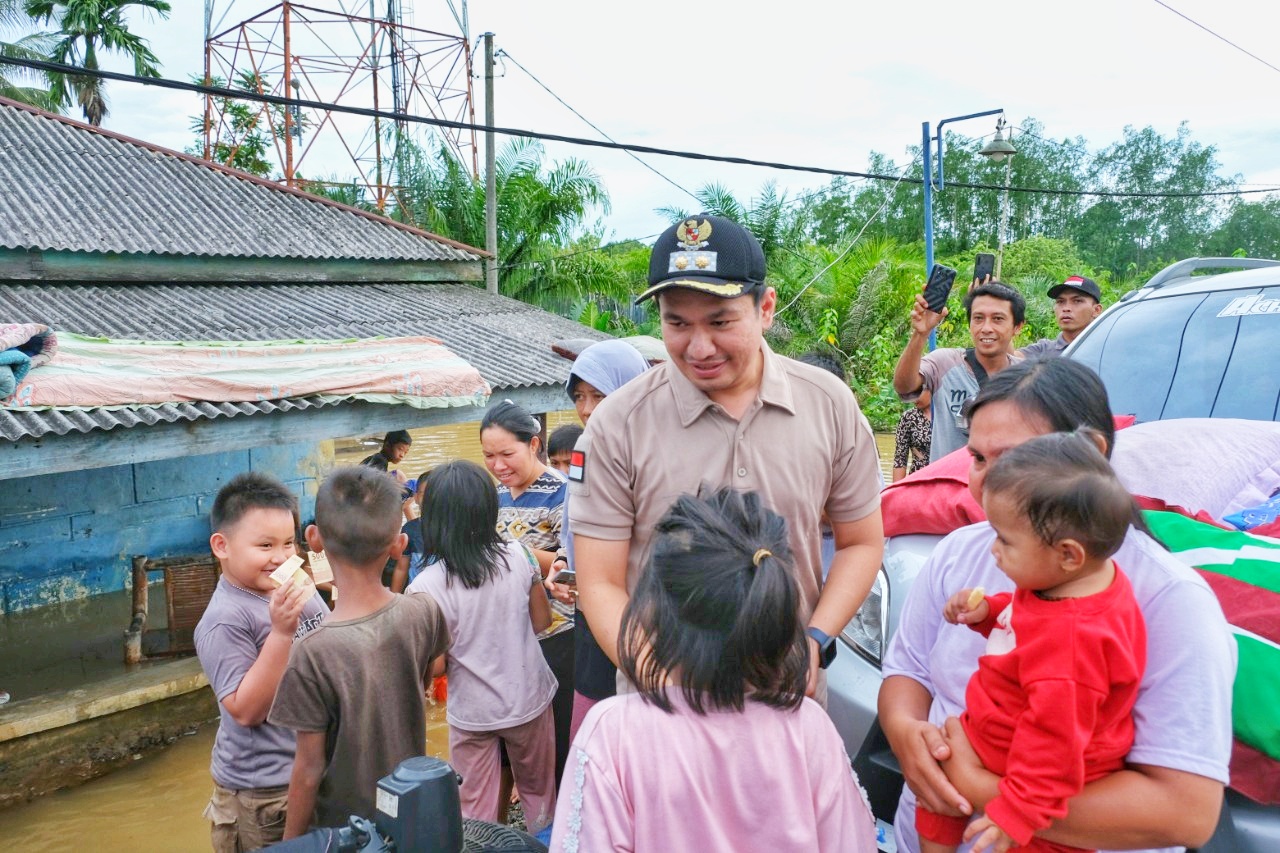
(636, 618)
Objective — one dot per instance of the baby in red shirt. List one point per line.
(1050, 706)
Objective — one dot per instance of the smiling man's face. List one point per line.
(991, 325)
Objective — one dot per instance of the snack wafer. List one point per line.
(321, 571)
(975, 597)
(290, 568)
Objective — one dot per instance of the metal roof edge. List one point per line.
(245, 176)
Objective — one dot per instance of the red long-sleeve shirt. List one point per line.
(1050, 707)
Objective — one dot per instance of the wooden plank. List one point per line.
(104, 448)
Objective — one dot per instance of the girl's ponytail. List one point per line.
(717, 608)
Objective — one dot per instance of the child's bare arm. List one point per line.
(539, 609)
(251, 701)
(400, 574)
(985, 835)
(966, 607)
(308, 768)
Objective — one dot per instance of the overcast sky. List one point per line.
(821, 83)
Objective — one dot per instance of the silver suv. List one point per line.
(1200, 339)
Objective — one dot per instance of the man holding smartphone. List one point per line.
(996, 313)
(1076, 303)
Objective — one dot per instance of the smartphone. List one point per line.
(567, 577)
(938, 287)
(983, 266)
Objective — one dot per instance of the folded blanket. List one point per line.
(97, 372)
(1219, 465)
(22, 347)
(1244, 572)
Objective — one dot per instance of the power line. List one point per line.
(846, 250)
(278, 100)
(791, 202)
(590, 124)
(1216, 35)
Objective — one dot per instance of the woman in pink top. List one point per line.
(719, 750)
(500, 688)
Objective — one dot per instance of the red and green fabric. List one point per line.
(1243, 570)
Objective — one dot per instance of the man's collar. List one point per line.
(775, 389)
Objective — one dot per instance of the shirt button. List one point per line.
(742, 472)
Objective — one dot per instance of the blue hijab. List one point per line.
(607, 365)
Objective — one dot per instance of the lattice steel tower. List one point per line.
(368, 53)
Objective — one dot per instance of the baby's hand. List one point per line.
(986, 835)
(966, 607)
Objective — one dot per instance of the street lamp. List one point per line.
(927, 146)
(998, 149)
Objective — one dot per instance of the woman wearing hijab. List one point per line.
(601, 369)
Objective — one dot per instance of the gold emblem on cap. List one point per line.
(729, 289)
(701, 262)
(691, 234)
(681, 262)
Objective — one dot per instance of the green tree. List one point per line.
(241, 138)
(83, 26)
(1136, 232)
(546, 253)
(1251, 229)
(770, 216)
(16, 83)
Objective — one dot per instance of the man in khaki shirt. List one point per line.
(725, 411)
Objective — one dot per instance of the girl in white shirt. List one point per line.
(500, 687)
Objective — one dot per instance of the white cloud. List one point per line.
(819, 83)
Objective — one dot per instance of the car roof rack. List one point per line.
(1193, 265)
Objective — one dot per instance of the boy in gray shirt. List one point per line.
(243, 641)
(354, 688)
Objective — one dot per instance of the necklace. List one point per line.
(249, 592)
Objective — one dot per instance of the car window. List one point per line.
(1251, 382)
(1135, 349)
(1191, 355)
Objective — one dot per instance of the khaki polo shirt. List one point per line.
(804, 446)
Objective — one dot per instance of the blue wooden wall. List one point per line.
(71, 535)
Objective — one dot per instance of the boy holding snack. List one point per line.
(243, 641)
(356, 721)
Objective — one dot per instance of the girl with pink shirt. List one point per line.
(500, 687)
(718, 750)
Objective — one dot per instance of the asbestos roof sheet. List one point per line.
(68, 187)
(508, 341)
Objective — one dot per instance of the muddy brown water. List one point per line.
(156, 803)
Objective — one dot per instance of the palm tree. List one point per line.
(22, 84)
(83, 26)
(541, 213)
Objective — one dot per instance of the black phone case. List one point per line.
(938, 288)
(984, 266)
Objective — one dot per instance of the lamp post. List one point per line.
(998, 149)
(927, 147)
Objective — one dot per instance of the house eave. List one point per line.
(58, 265)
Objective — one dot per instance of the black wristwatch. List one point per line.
(826, 646)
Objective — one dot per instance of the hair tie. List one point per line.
(760, 554)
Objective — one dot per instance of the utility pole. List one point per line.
(1003, 237)
(490, 176)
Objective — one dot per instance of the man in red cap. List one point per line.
(1076, 303)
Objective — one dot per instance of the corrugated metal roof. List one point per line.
(508, 341)
(67, 186)
(15, 425)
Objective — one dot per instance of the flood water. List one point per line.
(153, 805)
(156, 804)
